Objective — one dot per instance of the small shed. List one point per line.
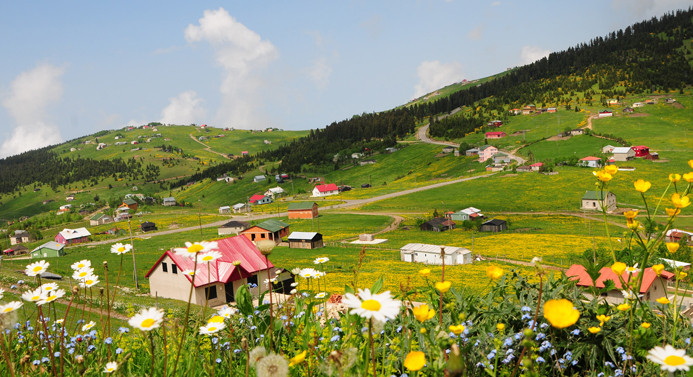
(169, 201)
(494, 225)
(431, 254)
(148, 226)
(223, 210)
(233, 227)
(50, 249)
(305, 240)
(259, 178)
(100, 219)
(240, 207)
(592, 200)
(438, 224)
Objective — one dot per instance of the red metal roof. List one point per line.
(538, 164)
(327, 187)
(578, 273)
(222, 270)
(590, 158)
(495, 133)
(255, 198)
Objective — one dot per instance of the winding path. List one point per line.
(208, 148)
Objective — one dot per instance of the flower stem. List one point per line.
(185, 323)
(5, 353)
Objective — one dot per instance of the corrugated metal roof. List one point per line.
(70, 234)
(433, 249)
(272, 225)
(303, 236)
(301, 205)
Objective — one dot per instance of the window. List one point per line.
(211, 292)
(174, 269)
(164, 267)
(252, 279)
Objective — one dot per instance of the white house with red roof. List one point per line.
(591, 162)
(495, 135)
(325, 190)
(605, 113)
(652, 288)
(536, 166)
(241, 263)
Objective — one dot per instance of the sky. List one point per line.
(69, 69)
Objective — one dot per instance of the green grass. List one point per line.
(557, 150)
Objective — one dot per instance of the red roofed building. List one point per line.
(641, 150)
(537, 166)
(591, 161)
(325, 190)
(495, 135)
(259, 199)
(166, 277)
(652, 288)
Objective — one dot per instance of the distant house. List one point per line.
(130, 203)
(50, 249)
(592, 200)
(240, 207)
(653, 286)
(305, 240)
(259, 199)
(623, 153)
(72, 236)
(391, 149)
(628, 110)
(641, 150)
(224, 210)
(577, 132)
(676, 235)
(536, 166)
(486, 152)
(20, 236)
(471, 152)
(608, 149)
(241, 264)
(244, 153)
(438, 224)
(148, 226)
(267, 141)
(501, 158)
(495, 123)
(100, 219)
(303, 210)
(259, 178)
(232, 227)
(638, 104)
(16, 250)
(670, 100)
(650, 102)
(605, 113)
(431, 254)
(367, 162)
(325, 190)
(225, 178)
(652, 156)
(273, 230)
(64, 208)
(69, 198)
(448, 149)
(274, 192)
(551, 110)
(612, 101)
(469, 213)
(169, 201)
(494, 225)
(591, 162)
(524, 169)
(495, 135)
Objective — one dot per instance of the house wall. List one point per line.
(304, 213)
(597, 205)
(226, 231)
(624, 156)
(433, 258)
(305, 244)
(459, 217)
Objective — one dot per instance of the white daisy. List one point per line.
(88, 326)
(318, 274)
(209, 256)
(307, 273)
(628, 295)
(89, 281)
(670, 359)
(226, 311)
(192, 249)
(321, 260)
(36, 268)
(212, 328)
(51, 296)
(321, 295)
(10, 307)
(632, 269)
(120, 248)
(111, 367)
(82, 273)
(189, 272)
(81, 264)
(147, 319)
(294, 284)
(49, 287)
(380, 307)
(33, 296)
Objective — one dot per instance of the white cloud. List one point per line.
(320, 72)
(435, 75)
(495, 3)
(530, 54)
(646, 8)
(476, 34)
(186, 108)
(30, 96)
(242, 53)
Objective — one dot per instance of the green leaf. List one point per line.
(349, 289)
(244, 300)
(377, 286)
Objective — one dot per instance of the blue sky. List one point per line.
(74, 68)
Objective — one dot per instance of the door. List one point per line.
(228, 288)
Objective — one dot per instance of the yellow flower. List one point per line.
(680, 201)
(457, 330)
(443, 286)
(425, 272)
(422, 313)
(673, 178)
(630, 215)
(645, 325)
(690, 163)
(611, 169)
(603, 318)
(641, 185)
(619, 268)
(658, 268)
(494, 272)
(594, 329)
(298, 359)
(634, 225)
(688, 177)
(500, 327)
(415, 360)
(602, 175)
(673, 211)
(672, 246)
(680, 275)
(623, 307)
(561, 313)
(663, 300)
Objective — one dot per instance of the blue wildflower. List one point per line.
(540, 360)
(575, 332)
(36, 362)
(525, 309)
(108, 340)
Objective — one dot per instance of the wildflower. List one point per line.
(226, 311)
(88, 326)
(33, 296)
(10, 307)
(422, 313)
(321, 295)
(82, 273)
(658, 268)
(47, 287)
(424, 272)
(635, 225)
(623, 307)
(670, 359)
(212, 328)
(89, 281)
(307, 273)
(81, 264)
(147, 319)
(120, 248)
(678, 201)
(645, 325)
(594, 329)
(256, 354)
(561, 313)
(680, 275)
(298, 359)
(690, 163)
(630, 216)
(673, 246)
(673, 178)
(415, 360)
(50, 297)
(603, 318)
(611, 169)
(642, 185)
(192, 249)
(368, 305)
(663, 300)
(272, 365)
(673, 211)
(602, 175)
(36, 268)
(190, 273)
(494, 272)
(207, 257)
(457, 330)
(321, 260)
(443, 286)
(688, 177)
(216, 319)
(618, 268)
(628, 295)
(500, 327)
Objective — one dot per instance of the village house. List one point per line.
(551, 110)
(676, 235)
(486, 152)
(536, 166)
(628, 110)
(130, 203)
(591, 162)
(577, 132)
(240, 207)
(592, 200)
(652, 287)
(638, 104)
(431, 254)
(72, 236)
(274, 192)
(169, 201)
(501, 158)
(641, 150)
(70, 198)
(608, 149)
(303, 210)
(16, 250)
(148, 226)
(448, 149)
(50, 249)
(20, 236)
(494, 225)
(495, 135)
(233, 227)
(224, 210)
(438, 224)
(259, 199)
(471, 152)
(469, 213)
(241, 263)
(273, 230)
(259, 178)
(305, 240)
(100, 219)
(605, 113)
(325, 190)
(623, 153)
(64, 208)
